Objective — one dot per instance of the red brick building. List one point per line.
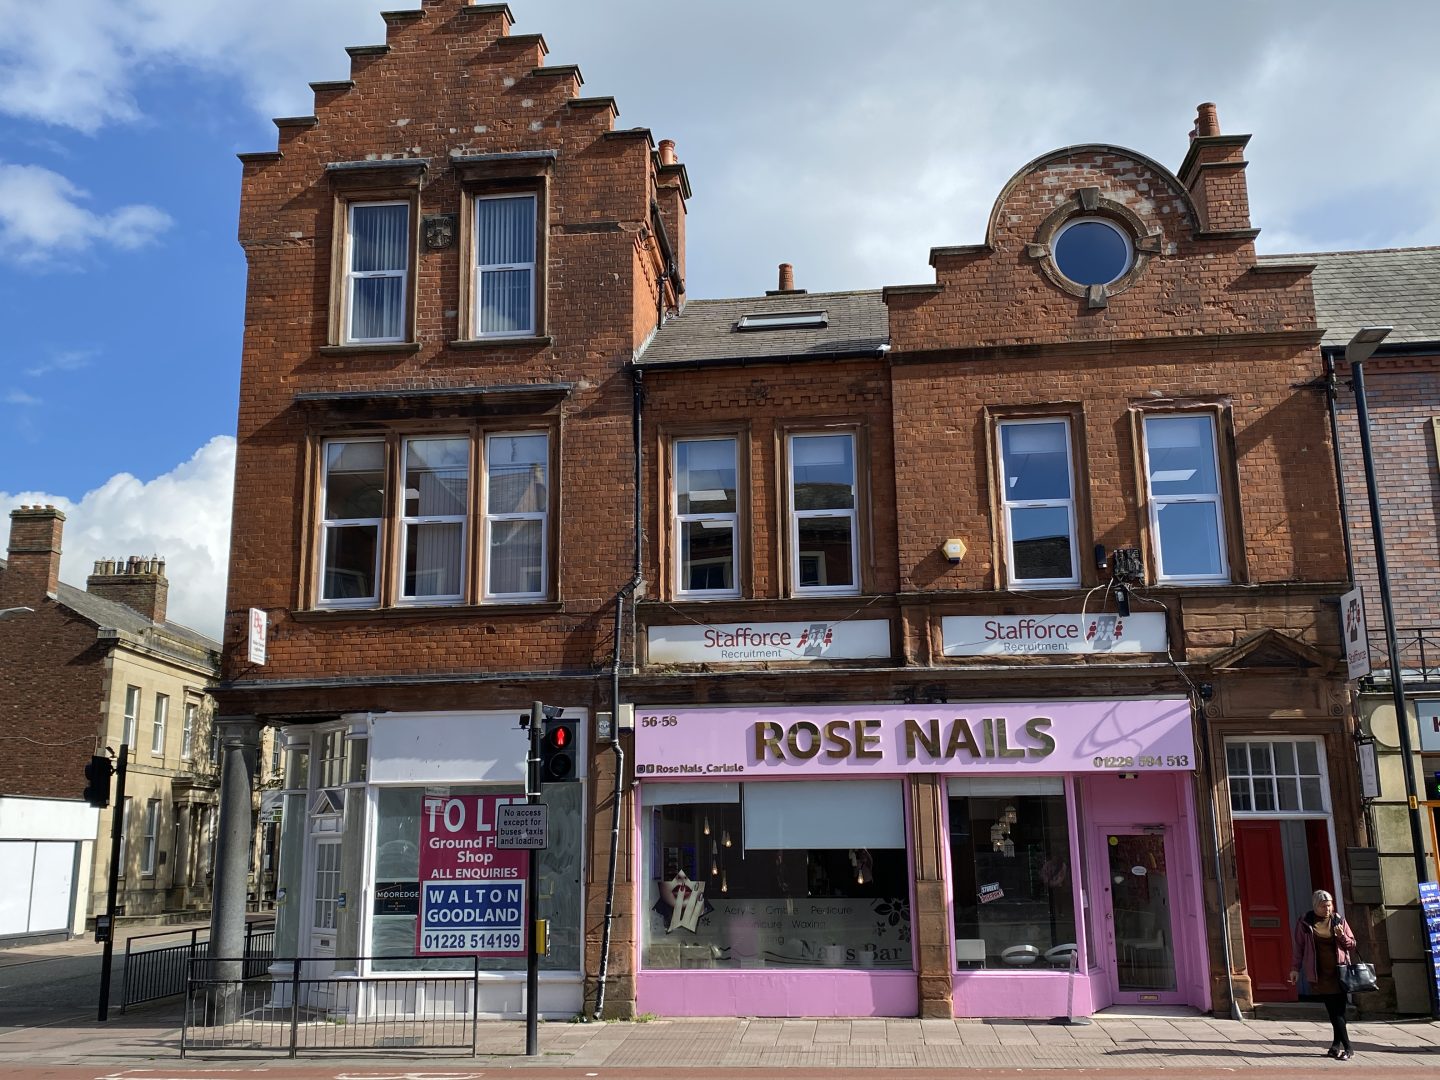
(923, 642)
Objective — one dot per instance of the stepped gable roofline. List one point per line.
(111, 615)
(856, 324)
(1083, 149)
(1398, 287)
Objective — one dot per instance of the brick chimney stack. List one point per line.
(1214, 173)
(136, 582)
(787, 278)
(33, 562)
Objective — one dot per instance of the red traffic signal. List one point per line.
(557, 752)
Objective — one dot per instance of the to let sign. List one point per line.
(472, 891)
(523, 826)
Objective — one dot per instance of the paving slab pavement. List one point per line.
(138, 1044)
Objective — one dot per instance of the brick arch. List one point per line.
(998, 213)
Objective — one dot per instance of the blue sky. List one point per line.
(123, 287)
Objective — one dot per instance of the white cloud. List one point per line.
(65, 360)
(41, 217)
(182, 516)
(19, 397)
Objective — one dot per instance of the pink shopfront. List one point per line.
(778, 860)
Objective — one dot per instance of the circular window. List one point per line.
(1092, 251)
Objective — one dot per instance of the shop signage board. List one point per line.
(472, 891)
(1123, 735)
(1040, 635)
(748, 643)
(1427, 713)
(1430, 906)
(1354, 635)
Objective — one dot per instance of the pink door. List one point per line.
(1139, 930)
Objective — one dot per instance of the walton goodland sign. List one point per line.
(1030, 736)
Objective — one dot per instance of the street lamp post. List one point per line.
(1360, 348)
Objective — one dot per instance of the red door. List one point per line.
(1264, 909)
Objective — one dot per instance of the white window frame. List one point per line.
(797, 556)
(327, 524)
(187, 731)
(542, 516)
(131, 724)
(479, 269)
(462, 519)
(124, 833)
(152, 837)
(707, 520)
(352, 275)
(1010, 505)
(1323, 776)
(162, 718)
(1154, 503)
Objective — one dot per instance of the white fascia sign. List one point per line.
(1039, 635)
(749, 643)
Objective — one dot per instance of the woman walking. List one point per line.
(1322, 944)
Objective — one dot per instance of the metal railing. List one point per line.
(1419, 649)
(161, 971)
(302, 1005)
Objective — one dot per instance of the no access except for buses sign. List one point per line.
(523, 825)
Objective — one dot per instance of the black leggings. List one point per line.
(1335, 1009)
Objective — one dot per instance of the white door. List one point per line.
(324, 921)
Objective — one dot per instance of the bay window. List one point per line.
(1187, 516)
(397, 519)
(1037, 494)
(824, 547)
(706, 518)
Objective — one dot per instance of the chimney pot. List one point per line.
(787, 277)
(667, 151)
(1207, 121)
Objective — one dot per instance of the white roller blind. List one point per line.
(675, 794)
(1006, 785)
(802, 814)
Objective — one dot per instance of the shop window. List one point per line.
(396, 860)
(824, 526)
(1275, 777)
(1185, 498)
(1014, 897)
(776, 875)
(396, 520)
(706, 518)
(1037, 493)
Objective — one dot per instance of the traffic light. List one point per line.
(97, 781)
(557, 751)
(1434, 785)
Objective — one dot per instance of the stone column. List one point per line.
(239, 746)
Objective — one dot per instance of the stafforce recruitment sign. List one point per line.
(1024, 736)
(472, 893)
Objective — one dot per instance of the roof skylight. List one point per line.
(784, 320)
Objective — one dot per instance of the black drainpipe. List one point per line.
(637, 404)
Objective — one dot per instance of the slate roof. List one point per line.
(1399, 287)
(858, 323)
(108, 613)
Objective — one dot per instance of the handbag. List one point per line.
(1358, 977)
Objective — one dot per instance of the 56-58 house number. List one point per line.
(659, 721)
